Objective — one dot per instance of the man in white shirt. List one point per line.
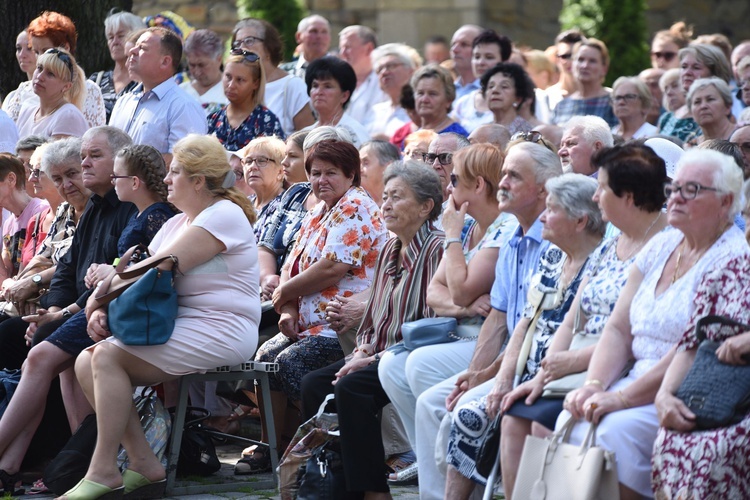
(314, 37)
(356, 43)
(394, 63)
(461, 45)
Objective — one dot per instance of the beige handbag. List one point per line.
(552, 469)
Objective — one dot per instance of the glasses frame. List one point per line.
(249, 56)
(113, 177)
(238, 44)
(626, 98)
(260, 161)
(671, 188)
(447, 158)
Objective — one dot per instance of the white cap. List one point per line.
(667, 151)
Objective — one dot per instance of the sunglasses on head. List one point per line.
(249, 56)
(65, 58)
(532, 136)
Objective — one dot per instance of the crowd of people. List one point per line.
(337, 196)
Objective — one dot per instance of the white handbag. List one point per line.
(552, 469)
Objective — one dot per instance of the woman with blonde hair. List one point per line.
(245, 117)
(261, 161)
(59, 83)
(217, 323)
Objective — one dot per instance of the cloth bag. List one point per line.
(718, 393)
(321, 429)
(552, 469)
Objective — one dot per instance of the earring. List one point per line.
(515, 105)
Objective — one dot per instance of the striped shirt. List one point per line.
(400, 295)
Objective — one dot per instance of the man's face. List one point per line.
(354, 51)
(146, 59)
(461, 48)
(740, 51)
(741, 137)
(316, 39)
(97, 164)
(392, 73)
(518, 190)
(436, 53)
(575, 153)
(439, 147)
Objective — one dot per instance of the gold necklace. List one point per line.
(643, 240)
(676, 274)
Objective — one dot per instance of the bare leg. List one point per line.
(514, 431)
(21, 419)
(77, 406)
(457, 486)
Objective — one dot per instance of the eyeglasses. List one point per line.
(742, 84)
(624, 98)
(249, 56)
(688, 191)
(248, 41)
(667, 56)
(565, 56)
(443, 158)
(745, 146)
(454, 180)
(532, 136)
(65, 58)
(260, 161)
(388, 67)
(114, 177)
(418, 155)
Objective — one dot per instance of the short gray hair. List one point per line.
(546, 163)
(403, 52)
(641, 89)
(365, 34)
(727, 177)
(118, 20)
(61, 152)
(574, 193)
(31, 142)
(593, 129)
(306, 21)
(384, 150)
(720, 85)
(461, 141)
(711, 57)
(116, 138)
(421, 179)
(326, 133)
(203, 42)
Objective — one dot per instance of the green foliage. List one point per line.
(620, 24)
(283, 14)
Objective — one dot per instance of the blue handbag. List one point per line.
(144, 314)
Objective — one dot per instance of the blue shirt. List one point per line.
(160, 117)
(468, 88)
(516, 264)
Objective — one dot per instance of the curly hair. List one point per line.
(515, 72)
(57, 27)
(146, 163)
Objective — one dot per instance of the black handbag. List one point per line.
(717, 393)
(197, 451)
(322, 477)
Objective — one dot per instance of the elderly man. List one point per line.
(491, 133)
(314, 39)
(436, 50)
(439, 383)
(356, 44)
(203, 51)
(741, 137)
(461, 45)
(741, 51)
(394, 63)
(582, 137)
(440, 156)
(374, 156)
(158, 113)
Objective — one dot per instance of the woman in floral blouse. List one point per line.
(335, 253)
(245, 117)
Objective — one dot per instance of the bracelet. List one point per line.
(623, 399)
(448, 242)
(594, 381)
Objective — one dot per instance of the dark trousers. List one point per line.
(359, 397)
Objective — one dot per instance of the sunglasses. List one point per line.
(667, 56)
(443, 158)
(249, 56)
(624, 98)
(65, 58)
(248, 41)
(532, 136)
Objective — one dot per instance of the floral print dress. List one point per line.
(261, 122)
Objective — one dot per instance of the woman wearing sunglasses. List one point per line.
(59, 83)
(667, 43)
(245, 117)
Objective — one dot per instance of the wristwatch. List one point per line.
(448, 242)
(37, 280)
(66, 313)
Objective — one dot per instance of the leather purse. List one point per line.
(552, 469)
(431, 331)
(717, 393)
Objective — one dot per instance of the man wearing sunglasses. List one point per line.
(741, 137)
(440, 156)
(158, 113)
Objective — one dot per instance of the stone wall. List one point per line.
(529, 22)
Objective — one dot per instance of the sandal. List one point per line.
(38, 488)
(89, 490)
(405, 476)
(139, 487)
(256, 461)
(9, 482)
(243, 411)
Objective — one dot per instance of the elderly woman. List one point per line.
(703, 198)
(673, 95)
(26, 58)
(573, 224)
(245, 117)
(265, 175)
(411, 202)
(114, 83)
(696, 61)
(710, 103)
(417, 144)
(590, 64)
(334, 254)
(630, 195)
(631, 102)
(505, 88)
(203, 51)
(58, 82)
(434, 93)
(394, 63)
(330, 83)
(374, 157)
(488, 49)
(667, 43)
(462, 283)
(285, 95)
(213, 227)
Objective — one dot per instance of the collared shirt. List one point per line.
(464, 89)
(597, 106)
(95, 241)
(278, 233)
(400, 294)
(296, 67)
(160, 117)
(364, 97)
(516, 264)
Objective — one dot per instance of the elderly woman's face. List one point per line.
(249, 38)
(692, 69)
(328, 182)
(695, 214)
(558, 227)
(116, 43)
(262, 171)
(430, 99)
(708, 108)
(327, 98)
(674, 95)
(68, 181)
(501, 93)
(239, 83)
(204, 69)
(402, 211)
(626, 103)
